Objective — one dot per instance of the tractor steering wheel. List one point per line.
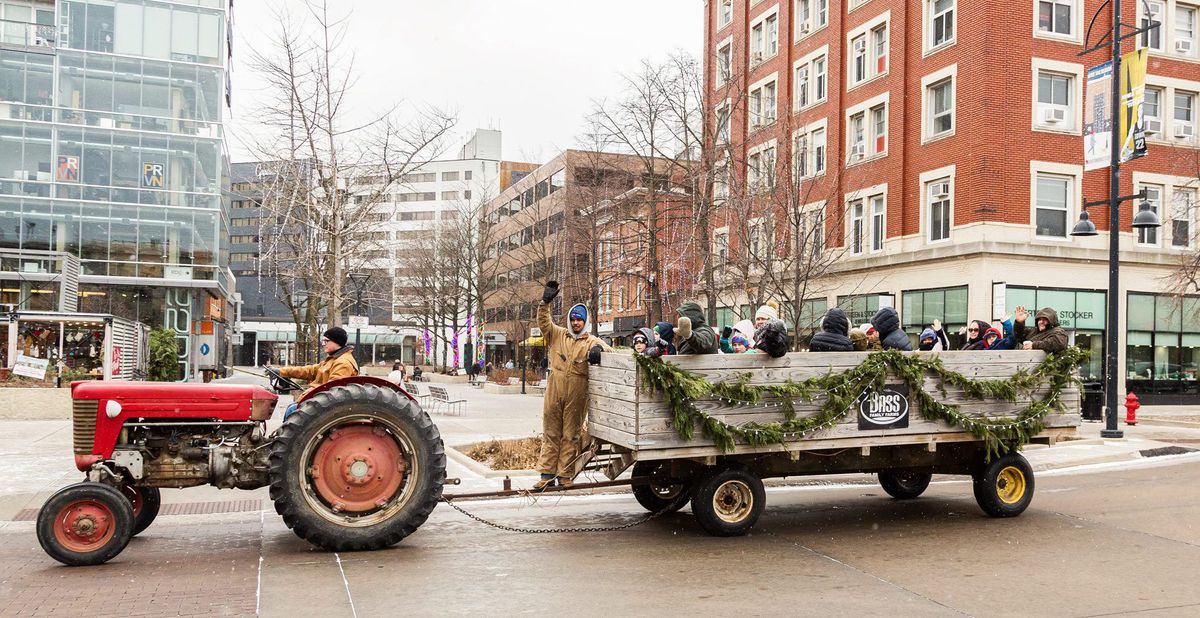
(280, 384)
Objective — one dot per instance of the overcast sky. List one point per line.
(528, 67)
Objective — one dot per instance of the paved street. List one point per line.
(1108, 533)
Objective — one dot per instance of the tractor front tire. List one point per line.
(357, 467)
(85, 524)
(146, 502)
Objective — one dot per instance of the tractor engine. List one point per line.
(185, 454)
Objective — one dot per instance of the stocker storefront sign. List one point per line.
(884, 410)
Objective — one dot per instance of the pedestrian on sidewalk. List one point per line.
(564, 410)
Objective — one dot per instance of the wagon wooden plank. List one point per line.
(617, 360)
(615, 436)
(613, 406)
(845, 359)
(619, 391)
(624, 377)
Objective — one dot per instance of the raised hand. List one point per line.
(550, 291)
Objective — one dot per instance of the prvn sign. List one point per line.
(887, 409)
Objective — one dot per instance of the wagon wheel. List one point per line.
(727, 502)
(357, 467)
(904, 484)
(659, 493)
(146, 502)
(1004, 487)
(84, 524)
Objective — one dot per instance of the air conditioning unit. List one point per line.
(860, 46)
(940, 189)
(1153, 125)
(756, 57)
(1183, 46)
(857, 151)
(1185, 131)
(1054, 115)
(805, 28)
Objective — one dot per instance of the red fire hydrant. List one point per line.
(1131, 406)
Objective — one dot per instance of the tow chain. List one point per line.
(507, 528)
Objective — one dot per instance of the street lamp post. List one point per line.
(360, 283)
(1145, 217)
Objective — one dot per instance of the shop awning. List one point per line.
(535, 342)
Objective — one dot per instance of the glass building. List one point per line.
(111, 149)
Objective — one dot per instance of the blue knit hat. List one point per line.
(578, 312)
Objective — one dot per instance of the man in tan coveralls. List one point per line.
(564, 409)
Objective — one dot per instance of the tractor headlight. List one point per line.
(261, 409)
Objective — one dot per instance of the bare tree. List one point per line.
(333, 173)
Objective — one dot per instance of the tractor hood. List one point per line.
(227, 402)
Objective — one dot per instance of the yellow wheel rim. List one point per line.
(1010, 485)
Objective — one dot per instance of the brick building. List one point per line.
(939, 145)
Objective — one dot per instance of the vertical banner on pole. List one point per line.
(1097, 118)
(1133, 96)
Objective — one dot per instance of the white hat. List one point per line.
(766, 311)
(744, 328)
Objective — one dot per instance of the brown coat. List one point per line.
(340, 364)
(564, 407)
(567, 354)
(1051, 340)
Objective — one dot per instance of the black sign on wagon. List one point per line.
(884, 410)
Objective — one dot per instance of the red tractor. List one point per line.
(359, 465)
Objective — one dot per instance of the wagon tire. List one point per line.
(146, 502)
(357, 467)
(904, 484)
(85, 524)
(728, 501)
(1004, 487)
(656, 496)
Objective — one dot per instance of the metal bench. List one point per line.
(442, 398)
(414, 389)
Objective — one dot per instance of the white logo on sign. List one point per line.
(884, 408)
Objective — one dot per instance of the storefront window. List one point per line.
(860, 308)
(921, 307)
(38, 339)
(1163, 348)
(811, 314)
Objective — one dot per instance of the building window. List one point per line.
(879, 49)
(809, 152)
(803, 17)
(724, 13)
(764, 39)
(858, 51)
(856, 227)
(1185, 116)
(878, 229)
(761, 168)
(756, 242)
(820, 79)
(1154, 194)
(810, 82)
(1151, 111)
(1054, 195)
(1185, 30)
(1055, 109)
(867, 133)
(1152, 39)
(802, 86)
(822, 16)
(940, 96)
(724, 63)
(721, 182)
(1183, 207)
(879, 128)
(720, 248)
(940, 20)
(939, 200)
(449, 176)
(857, 135)
(1056, 17)
(722, 117)
(811, 239)
(947, 305)
(762, 104)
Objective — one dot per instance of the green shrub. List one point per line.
(164, 356)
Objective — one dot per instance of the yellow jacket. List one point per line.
(567, 354)
(340, 364)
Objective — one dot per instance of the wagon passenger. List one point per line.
(692, 334)
(834, 335)
(887, 322)
(1047, 336)
(339, 363)
(564, 409)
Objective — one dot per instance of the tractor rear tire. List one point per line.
(655, 496)
(85, 524)
(357, 467)
(146, 502)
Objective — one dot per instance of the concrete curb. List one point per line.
(479, 469)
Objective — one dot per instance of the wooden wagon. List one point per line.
(725, 487)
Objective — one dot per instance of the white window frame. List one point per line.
(762, 118)
(815, 23)
(1076, 34)
(756, 259)
(865, 195)
(768, 154)
(870, 139)
(1172, 188)
(721, 16)
(812, 213)
(927, 180)
(1161, 135)
(878, 213)
(866, 32)
(927, 16)
(809, 133)
(721, 179)
(718, 244)
(764, 54)
(1176, 123)
(1074, 199)
(1156, 206)
(1168, 34)
(723, 135)
(1074, 111)
(809, 63)
(1165, 25)
(724, 45)
(1166, 109)
(936, 77)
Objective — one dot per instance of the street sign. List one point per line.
(237, 339)
(359, 321)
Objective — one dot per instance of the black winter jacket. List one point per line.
(887, 322)
(834, 335)
(976, 342)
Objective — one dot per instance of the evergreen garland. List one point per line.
(681, 389)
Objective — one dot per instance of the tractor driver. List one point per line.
(339, 363)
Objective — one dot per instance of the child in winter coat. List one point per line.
(665, 337)
(933, 338)
(995, 339)
(739, 344)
